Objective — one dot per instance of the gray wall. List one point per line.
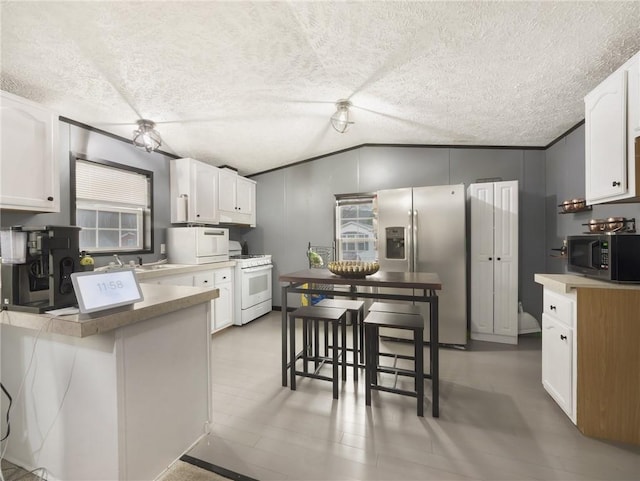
(99, 146)
(565, 180)
(295, 204)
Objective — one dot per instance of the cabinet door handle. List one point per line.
(552, 307)
(49, 198)
(497, 258)
(490, 258)
(563, 337)
(615, 184)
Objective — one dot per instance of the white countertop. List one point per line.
(564, 283)
(161, 270)
(159, 299)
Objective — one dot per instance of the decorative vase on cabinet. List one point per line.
(30, 141)
(494, 261)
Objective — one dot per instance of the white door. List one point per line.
(223, 306)
(505, 253)
(227, 195)
(557, 352)
(205, 196)
(29, 177)
(482, 245)
(605, 139)
(245, 191)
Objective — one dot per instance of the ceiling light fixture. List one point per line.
(146, 137)
(340, 120)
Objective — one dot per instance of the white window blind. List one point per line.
(101, 183)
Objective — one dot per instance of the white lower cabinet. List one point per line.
(559, 350)
(224, 303)
(222, 308)
(222, 279)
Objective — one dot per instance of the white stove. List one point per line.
(253, 283)
(245, 261)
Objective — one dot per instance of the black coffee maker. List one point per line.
(37, 263)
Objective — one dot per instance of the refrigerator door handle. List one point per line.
(415, 241)
(410, 242)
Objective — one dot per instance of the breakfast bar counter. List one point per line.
(90, 394)
(158, 300)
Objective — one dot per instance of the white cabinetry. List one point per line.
(559, 349)
(612, 122)
(221, 279)
(194, 192)
(223, 305)
(494, 261)
(29, 172)
(237, 198)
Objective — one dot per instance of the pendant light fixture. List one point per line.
(340, 120)
(146, 136)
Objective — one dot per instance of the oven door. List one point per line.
(256, 285)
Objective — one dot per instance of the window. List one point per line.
(356, 227)
(112, 206)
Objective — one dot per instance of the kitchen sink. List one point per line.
(152, 267)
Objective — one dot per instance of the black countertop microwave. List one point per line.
(611, 257)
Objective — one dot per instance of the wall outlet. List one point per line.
(163, 248)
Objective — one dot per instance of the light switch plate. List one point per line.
(163, 248)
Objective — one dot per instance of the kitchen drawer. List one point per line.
(203, 279)
(561, 307)
(223, 275)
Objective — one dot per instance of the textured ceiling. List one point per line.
(253, 84)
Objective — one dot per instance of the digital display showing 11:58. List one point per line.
(96, 291)
(106, 286)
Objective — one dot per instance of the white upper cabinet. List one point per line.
(612, 123)
(29, 171)
(194, 192)
(237, 198)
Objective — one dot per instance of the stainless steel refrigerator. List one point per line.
(423, 229)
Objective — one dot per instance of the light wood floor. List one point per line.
(496, 421)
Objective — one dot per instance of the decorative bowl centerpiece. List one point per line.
(353, 269)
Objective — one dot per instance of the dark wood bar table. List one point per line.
(416, 287)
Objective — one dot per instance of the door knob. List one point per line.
(615, 184)
(552, 307)
(563, 337)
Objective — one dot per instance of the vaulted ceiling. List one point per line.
(253, 84)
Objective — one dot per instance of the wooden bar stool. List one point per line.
(311, 317)
(412, 322)
(355, 309)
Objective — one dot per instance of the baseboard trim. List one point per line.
(215, 469)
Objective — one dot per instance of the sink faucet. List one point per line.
(118, 261)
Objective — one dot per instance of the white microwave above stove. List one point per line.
(197, 245)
